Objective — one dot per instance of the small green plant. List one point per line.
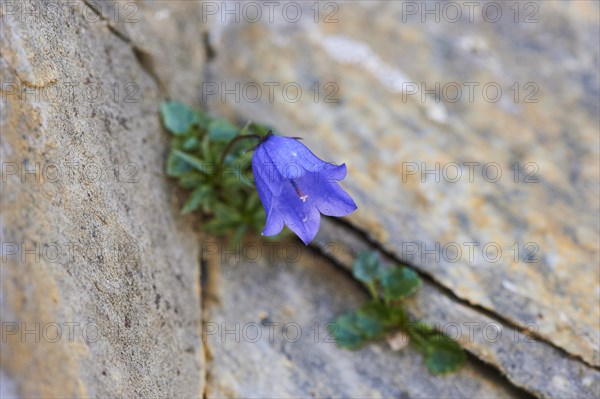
(385, 315)
(230, 182)
(215, 168)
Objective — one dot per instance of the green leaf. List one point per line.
(176, 166)
(376, 310)
(396, 316)
(370, 325)
(191, 143)
(221, 130)
(197, 198)
(399, 283)
(355, 328)
(177, 117)
(423, 328)
(203, 119)
(196, 163)
(177, 142)
(367, 267)
(225, 219)
(443, 355)
(214, 226)
(345, 332)
(253, 201)
(227, 214)
(234, 178)
(388, 317)
(205, 150)
(191, 179)
(239, 234)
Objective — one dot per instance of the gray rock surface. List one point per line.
(265, 333)
(100, 291)
(168, 39)
(527, 361)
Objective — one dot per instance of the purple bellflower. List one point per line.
(296, 187)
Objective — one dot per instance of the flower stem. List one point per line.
(372, 290)
(418, 341)
(235, 140)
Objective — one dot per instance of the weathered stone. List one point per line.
(168, 37)
(92, 244)
(532, 364)
(539, 209)
(265, 335)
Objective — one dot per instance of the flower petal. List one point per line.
(291, 158)
(268, 181)
(302, 217)
(334, 173)
(328, 197)
(296, 187)
(274, 223)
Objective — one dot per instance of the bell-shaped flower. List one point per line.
(296, 187)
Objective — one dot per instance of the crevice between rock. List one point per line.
(209, 265)
(364, 236)
(92, 6)
(351, 240)
(208, 48)
(145, 59)
(203, 309)
(489, 369)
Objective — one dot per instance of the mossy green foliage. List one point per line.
(384, 315)
(223, 192)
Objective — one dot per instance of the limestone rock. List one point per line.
(100, 288)
(528, 362)
(265, 333)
